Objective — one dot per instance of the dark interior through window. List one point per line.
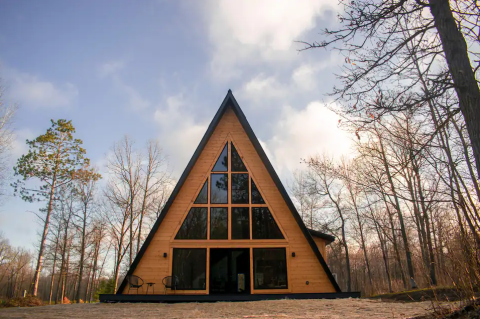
(240, 223)
(222, 162)
(263, 224)
(270, 268)
(190, 268)
(218, 223)
(195, 224)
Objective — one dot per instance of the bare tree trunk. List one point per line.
(53, 267)
(408, 253)
(456, 55)
(36, 277)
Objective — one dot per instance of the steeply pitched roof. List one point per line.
(230, 101)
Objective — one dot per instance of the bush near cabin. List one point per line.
(28, 301)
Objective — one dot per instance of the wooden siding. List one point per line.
(321, 246)
(153, 267)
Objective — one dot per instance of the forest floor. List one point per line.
(301, 309)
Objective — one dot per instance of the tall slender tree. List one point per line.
(52, 161)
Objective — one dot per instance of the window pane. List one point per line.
(195, 224)
(263, 224)
(256, 196)
(202, 197)
(222, 163)
(219, 189)
(218, 223)
(270, 268)
(240, 223)
(237, 163)
(190, 268)
(239, 188)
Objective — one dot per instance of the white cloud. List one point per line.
(31, 91)
(110, 68)
(180, 133)
(300, 134)
(306, 76)
(249, 32)
(262, 87)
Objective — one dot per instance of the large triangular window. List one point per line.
(264, 225)
(237, 163)
(229, 205)
(195, 224)
(222, 162)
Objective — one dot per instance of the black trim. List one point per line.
(224, 297)
(328, 238)
(229, 101)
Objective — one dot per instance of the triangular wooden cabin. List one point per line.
(229, 231)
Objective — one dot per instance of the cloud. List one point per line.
(250, 32)
(262, 87)
(180, 133)
(111, 69)
(32, 91)
(303, 133)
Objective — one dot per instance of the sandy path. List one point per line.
(320, 308)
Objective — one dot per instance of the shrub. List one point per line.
(66, 300)
(105, 287)
(28, 301)
(81, 301)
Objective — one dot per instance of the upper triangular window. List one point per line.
(237, 163)
(256, 196)
(202, 197)
(222, 163)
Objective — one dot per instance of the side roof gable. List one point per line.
(229, 101)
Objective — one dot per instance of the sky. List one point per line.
(156, 69)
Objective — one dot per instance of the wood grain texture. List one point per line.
(153, 267)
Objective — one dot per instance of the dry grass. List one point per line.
(275, 309)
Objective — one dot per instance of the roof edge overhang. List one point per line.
(328, 238)
(229, 101)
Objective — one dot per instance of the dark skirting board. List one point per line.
(223, 297)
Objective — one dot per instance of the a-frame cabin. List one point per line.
(229, 231)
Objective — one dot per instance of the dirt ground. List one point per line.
(319, 308)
